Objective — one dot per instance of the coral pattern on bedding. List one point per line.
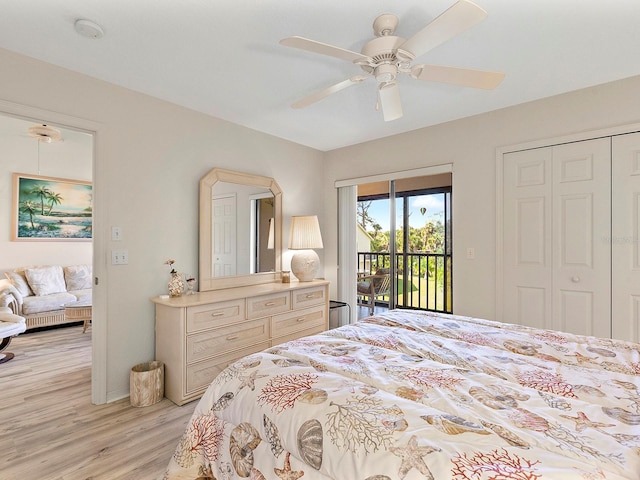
(407, 395)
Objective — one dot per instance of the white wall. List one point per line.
(470, 145)
(71, 158)
(150, 156)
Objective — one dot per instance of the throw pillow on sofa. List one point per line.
(77, 277)
(19, 281)
(46, 280)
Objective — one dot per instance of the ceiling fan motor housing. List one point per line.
(382, 50)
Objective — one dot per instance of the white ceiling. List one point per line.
(223, 57)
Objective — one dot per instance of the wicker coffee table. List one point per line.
(79, 311)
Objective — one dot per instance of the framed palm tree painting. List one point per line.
(49, 208)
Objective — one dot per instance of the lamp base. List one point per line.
(305, 264)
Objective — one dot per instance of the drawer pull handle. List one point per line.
(301, 319)
(217, 314)
(311, 295)
(269, 304)
(232, 337)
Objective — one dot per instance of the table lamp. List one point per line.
(305, 236)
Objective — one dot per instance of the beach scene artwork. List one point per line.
(47, 208)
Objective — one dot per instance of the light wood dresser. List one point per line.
(198, 336)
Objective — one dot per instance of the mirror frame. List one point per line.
(206, 279)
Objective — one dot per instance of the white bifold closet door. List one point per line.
(556, 237)
(625, 237)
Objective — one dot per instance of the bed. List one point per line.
(408, 395)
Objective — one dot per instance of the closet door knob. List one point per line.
(575, 279)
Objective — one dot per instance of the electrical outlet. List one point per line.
(116, 234)
(471, 253)
(119, 257)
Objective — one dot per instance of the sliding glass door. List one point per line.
(404, 231)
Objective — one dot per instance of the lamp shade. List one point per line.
(305, 233)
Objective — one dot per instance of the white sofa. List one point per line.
(40, 293)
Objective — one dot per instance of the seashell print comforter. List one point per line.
(406, 395)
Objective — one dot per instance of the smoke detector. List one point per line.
(88, 29)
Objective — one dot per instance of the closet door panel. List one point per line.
(581, 220)
(625, 237)
(527, 238)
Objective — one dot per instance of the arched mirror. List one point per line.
(240, 230)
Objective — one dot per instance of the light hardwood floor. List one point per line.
(50, 430)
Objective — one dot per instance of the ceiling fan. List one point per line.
(45, 133)
(387, 56)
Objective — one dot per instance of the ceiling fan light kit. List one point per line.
(387, 56)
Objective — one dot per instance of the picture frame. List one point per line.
(51, 209)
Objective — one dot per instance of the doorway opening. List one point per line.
(47, 169)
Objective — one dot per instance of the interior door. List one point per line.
(557, 262)
(224, 235)
(625, 237)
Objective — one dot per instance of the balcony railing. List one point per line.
(423, 280)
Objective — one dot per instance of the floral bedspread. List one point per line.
(406, 395)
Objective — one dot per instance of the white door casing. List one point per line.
(556, 216)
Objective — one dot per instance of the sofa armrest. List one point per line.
(9, 289)
(8, 302)
(10, 297)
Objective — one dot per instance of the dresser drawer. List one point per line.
(306, 297)
(213, 315)
(220, 340)
(201, 374)
(296, 335)
(287, 323)
(266, 305)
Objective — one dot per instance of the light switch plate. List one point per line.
(119, 257)
(116, 234)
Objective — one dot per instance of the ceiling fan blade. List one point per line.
(465, 77)
(456, 19)
(323, 49)
(319, 95)
(390, 101)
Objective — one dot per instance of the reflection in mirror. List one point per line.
(263, 258)
(240, 230)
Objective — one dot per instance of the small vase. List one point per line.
(176, 285)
